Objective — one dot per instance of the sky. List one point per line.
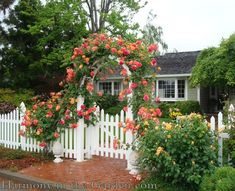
(190, 25)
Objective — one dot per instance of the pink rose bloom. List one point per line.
(157, 99)
(146, 97)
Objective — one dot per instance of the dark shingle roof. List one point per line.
(177, 63)
(170, 63)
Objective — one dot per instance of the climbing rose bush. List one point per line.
(97, 57)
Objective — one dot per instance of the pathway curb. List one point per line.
(29, 180)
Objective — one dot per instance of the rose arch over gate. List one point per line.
(96, 57)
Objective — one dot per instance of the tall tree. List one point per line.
(60, 25)
(5, 4)
(153, 34)
(216, 66)
(37, 38)
(18, 48)
(113, 16)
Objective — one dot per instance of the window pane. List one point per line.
(166, 88)
(105, 87)
(117, 88)
(181, 88)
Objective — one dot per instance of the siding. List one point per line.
(192, 94)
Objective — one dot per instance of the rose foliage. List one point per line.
(94, 59)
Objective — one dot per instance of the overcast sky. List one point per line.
(192, 24)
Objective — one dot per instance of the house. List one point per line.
(172, 82)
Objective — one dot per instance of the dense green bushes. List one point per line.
(180, 153)
(223, 179)
(185, 107)
(16, 97)
(110, 104)
(10, 99)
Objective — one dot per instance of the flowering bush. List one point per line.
(180, 152)
(174, 113)
(93, 60)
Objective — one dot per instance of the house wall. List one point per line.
(192, 94)
(204, 99)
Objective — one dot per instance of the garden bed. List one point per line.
(15, 160)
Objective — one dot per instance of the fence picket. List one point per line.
(99, 138)
(102, 133)
(212, 122)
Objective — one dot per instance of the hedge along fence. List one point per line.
(185, 107)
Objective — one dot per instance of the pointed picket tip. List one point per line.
(22, 107)
(231, 108)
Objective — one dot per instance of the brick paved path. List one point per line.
(99, 173)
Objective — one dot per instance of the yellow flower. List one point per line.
(156, 127)
(193, 162)
(146, 123)
(72, 101)
(168, 126)
(159, 150)
(192, 143)
(168, 136)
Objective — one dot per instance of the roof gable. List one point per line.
(177, 63)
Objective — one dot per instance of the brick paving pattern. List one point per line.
(99, 174)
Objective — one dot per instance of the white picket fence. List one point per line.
(220, 126)
(79, 143)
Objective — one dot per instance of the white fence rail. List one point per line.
(77, 143)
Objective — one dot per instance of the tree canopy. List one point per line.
(36, 39)
(216, 66)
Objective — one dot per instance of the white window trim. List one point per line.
(112, 85)
(176, 90)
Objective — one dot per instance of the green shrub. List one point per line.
(165, 108)
(180, 152)
(229, 146)
(156, 183)
(110, 104)
(223, 179)
(187, 107)
(16, 97)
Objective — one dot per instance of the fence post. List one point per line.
(22, 111)
(79, 134)
(89, 137)
(129, 139)
(220, 152)
(96, 137)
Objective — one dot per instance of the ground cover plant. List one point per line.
(14, 160)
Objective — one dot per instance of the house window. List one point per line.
(181, 88)
(117, 88)
(171, 89)
(112, 88)
(105, 87)
(166, 88)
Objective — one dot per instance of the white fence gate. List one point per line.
(77, 143)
